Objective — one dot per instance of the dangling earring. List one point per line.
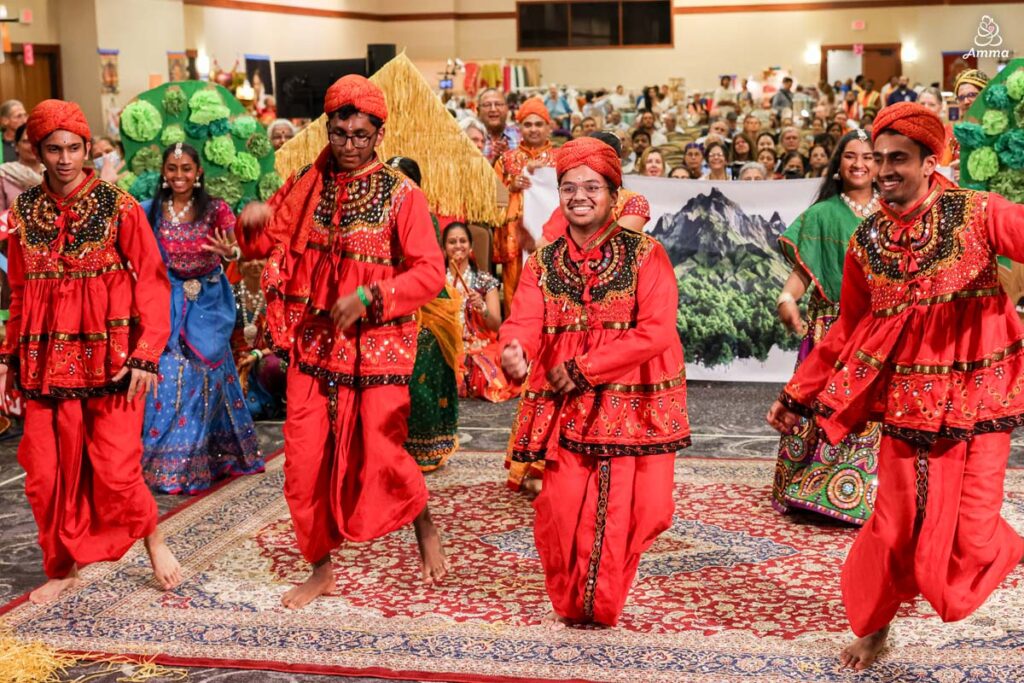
(835, 176)
(197, 183)
(164, 184)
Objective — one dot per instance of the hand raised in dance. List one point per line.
(141, 383)
(560, 380)
(782, 419)
(348, 309)
(513, 360)
(254, 217)
(221, 243)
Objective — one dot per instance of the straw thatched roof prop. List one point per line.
(457, 179)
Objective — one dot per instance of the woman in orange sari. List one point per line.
(480, 316)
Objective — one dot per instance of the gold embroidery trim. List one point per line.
(942, 299)
(57, 274)
(580, 327)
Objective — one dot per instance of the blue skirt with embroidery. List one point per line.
(198, 428)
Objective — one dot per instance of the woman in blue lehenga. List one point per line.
(197, 428)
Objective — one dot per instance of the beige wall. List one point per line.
(79, 63)
(43, 28)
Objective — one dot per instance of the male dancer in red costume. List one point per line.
(352, 255)
(90, 314)
(928, 344)
(593, 331)
(514, 168)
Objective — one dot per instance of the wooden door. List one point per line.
(882, 63)
(31, 84)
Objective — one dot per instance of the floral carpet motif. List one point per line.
(732, 592)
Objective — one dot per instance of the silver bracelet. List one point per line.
(785, 298)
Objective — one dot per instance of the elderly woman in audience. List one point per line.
(475, 131)
(714, 152)
(280, 132)
(753, 170)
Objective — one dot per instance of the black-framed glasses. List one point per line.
(569, 190)
(339, 139)
(969, 97)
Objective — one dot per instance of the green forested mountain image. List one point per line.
(729, 272)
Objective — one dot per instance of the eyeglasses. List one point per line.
(492, 105)
(339, 139)
(969, 97)
(569, 190)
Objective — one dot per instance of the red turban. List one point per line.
(358, 91)
(51, 115)
(915, 121)
(592, 153)
(533, 106)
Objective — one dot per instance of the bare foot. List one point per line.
(166, 569)
(433, 561)
(862, 653)
(320, 582)
(52, 589)
(533, 485)
(553, 621)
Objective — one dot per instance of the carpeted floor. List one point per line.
(732, 592)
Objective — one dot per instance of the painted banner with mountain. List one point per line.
(722, 238)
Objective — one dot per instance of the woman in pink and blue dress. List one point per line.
(197, 428)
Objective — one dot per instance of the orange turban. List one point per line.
(51, 115)
(592, 153)
(358, 91)
(915, 121)
(533, 106)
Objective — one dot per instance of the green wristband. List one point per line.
(5, 315)
(361, 293)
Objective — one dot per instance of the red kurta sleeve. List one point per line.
(657, 302)
(854, 303)
(1005, 224)
(16, 281)
(257, 243)
(526, 320)
(556, 225)
(423, 274)
(152, 292)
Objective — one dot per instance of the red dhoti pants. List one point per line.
(83, 478)
(354, 481)
(594, 518)
(955, 555)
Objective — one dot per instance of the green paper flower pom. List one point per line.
(268, 185)
(145, 186)
(1010, 147)
(220, 150)
(147, 160)
(259, 145)
(244, 126)
(994, 122)
(219, 127)
(207, 107)
(970, 135)
(172, 135)
(1015, 85)
(246, 167)
(1010, 184)
(997, 97)
(226, 187)
(983, 163)
(175, 101)
(140, 121)
(126, 181)
(197, 131)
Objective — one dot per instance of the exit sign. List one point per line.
(858, 25)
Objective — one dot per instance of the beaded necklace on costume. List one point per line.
(862, 210)
(254, 303)
(177, 218)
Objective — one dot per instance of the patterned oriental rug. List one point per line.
(733, 592)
